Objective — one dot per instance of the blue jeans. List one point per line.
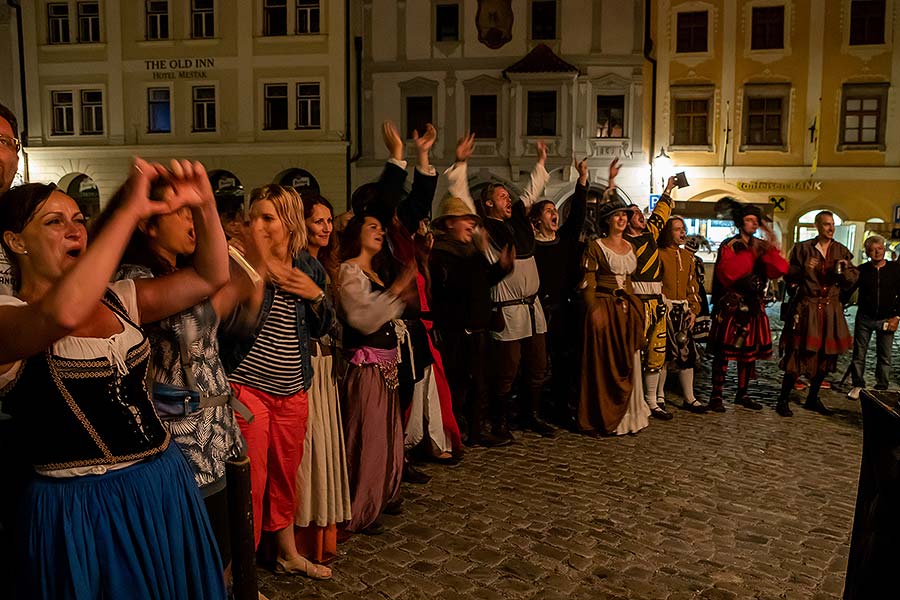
(862, 333)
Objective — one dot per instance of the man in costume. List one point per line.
(740, 327)
(816, 333)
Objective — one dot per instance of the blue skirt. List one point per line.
(139, 532)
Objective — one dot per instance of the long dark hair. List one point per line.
(139, 250)
(328, 255)
(666, 237)
(16, 211)
(351, 247)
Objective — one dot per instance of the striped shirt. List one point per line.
(273, 364)
(648, 269)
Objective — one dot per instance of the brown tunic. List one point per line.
(614, 330)
(817, 332)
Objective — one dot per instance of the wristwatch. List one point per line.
(318, 299)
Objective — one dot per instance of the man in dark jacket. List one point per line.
(461, 281)
(879, 311)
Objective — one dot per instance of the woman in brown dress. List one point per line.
(612, 396)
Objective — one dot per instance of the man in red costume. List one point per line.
(740, 327)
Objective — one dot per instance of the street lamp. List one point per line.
(664, 166)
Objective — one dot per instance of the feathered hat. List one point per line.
(731, 208)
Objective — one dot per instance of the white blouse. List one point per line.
(621, 265)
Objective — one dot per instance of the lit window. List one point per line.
(610, 116)
(159, 110)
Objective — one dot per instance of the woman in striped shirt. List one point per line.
(271, 369)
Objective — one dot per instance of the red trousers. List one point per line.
(275, 448)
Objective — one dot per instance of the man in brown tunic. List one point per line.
(816, 333)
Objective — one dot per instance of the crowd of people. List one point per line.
(337, 352)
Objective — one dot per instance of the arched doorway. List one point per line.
(299, 179)
(84, 191)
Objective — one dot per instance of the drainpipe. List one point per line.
(648, 49)
(347, 135)
(357, 48)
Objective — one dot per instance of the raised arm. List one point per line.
(661, 212)
(417, 204)
(457, 174)
(538, 179)
(74, 297)
(578, 207)
(158, 298)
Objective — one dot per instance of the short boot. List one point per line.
(783, 408)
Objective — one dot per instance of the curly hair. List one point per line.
(289, 208)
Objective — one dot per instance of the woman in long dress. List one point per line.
(323, 485)
(612, 396)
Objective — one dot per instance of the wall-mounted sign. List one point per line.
(180, 68)
(779, 203)
(779, 186)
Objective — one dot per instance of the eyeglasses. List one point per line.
(10, 142)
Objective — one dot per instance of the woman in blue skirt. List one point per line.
(113, 511)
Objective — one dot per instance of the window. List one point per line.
(610, 116)
(866, 22)
(863, 115)
(418, 114)
(63, 113)
(58, 23)
(691, 122)
(309, 106)
(767, 29)
(159, 110)
(483, 116)
(91, 112)
(203, 19)
(692, 31)
(157, 19)
(88, 22)
(543, 20)
(308, 15)
(541, 113)
(274, 17)
(275, 103)
(446, 23)
(204, 100)
(765, 120)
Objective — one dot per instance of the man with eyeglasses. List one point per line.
(9, 164)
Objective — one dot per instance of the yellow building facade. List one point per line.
(255, 90)
(788, 103)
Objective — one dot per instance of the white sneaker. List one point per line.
(853, 394)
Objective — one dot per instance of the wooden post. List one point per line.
(240, 521)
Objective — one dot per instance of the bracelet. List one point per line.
(318, 299)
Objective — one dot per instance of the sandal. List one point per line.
(303, 566)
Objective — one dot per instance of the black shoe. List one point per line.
(503, 433)
(817, 405)
(376, 528)
(540, 427)
(784, 409)
(661, 414)
(695, 407)
(716, 405)
(748, 402)
(395, 507)
(489, 440)
(413, 475)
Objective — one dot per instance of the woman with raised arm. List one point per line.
(270, 369)
(323, 486)
(612, 393)
(371, 311)
(113, 510)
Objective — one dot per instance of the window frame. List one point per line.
(497, 120)
(95, 108)
(194, 105)
(611, 94)
(268, 7)
(207, 20)
(753, 25)
(864, 91)
(531, 21)
(68, 115)
(73, 112)
(268, 102)
(556, 112)
(884, 24)
(313, 105)
(706, 93)
(91, 21)
(755, 91)
(60, 24)
(308, 7)
(677, 27)
(150, 102)
(435, 21)
(161, 20)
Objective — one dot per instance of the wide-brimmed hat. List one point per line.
(454, 207)
(604, 211)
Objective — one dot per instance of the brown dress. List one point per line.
(611, 396)
(817, 333)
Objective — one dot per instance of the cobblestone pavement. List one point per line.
(719, 506)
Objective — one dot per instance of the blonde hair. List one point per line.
(289, 208)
